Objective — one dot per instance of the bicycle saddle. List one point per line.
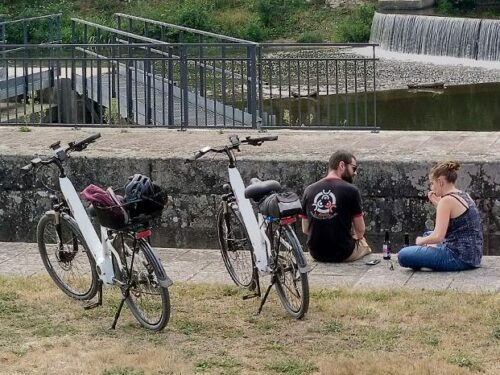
(259, 189)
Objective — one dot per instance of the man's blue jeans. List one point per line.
(437, 258)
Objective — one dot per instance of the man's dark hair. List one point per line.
(338, 156)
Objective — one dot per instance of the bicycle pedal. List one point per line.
(119, 282)
(91, 305)
(249, 296)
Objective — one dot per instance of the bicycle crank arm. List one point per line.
(250, 296)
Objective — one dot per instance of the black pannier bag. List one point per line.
(281, 205)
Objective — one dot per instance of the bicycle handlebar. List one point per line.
(82, 145)
(259, 140)
(235, 144)
(72, 146)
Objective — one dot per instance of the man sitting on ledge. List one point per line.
(332, 217)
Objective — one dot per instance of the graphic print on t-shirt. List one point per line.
(323, 205)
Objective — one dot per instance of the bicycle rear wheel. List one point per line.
(292, 285)
(66, 256)
(235, 246)
(148, 300)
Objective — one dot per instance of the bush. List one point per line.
(451, 6)
(276, 12)
(253, 31)
(191, 15)
(356, 27)
(310, 37)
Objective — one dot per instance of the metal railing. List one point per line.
(138, 77)
(326, 86)
(33, 30)
(167, 32)
(133, 85)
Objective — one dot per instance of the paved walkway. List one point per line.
(188, 265)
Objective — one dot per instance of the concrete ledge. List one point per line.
(392, 176)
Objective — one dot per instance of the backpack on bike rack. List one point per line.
(142, 200)
(281, 205)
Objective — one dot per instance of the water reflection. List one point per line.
(466, 107)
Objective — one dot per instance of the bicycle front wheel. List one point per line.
(292, 285)
(235, 246)
(66, 256)
(148, 300)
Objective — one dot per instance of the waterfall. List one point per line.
(469, 38)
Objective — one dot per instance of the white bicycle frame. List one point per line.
(255, 228)
(101, 251)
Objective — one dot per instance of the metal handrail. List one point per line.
(184, 28)
(55, 15)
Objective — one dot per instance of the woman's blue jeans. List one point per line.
(436, 258)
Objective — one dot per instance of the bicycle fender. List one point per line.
(299, 254)
(302, 262)
(163, 279)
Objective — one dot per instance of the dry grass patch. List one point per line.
(213, 331)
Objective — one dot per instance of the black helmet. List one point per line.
(138, 187)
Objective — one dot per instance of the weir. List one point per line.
(471, 38)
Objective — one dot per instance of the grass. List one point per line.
(213, 331)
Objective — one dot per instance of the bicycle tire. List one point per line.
(148, 300)
(235, 247)
(68, 262)
(290, 281)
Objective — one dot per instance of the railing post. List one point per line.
(252, 83)
(130, 111)
(73, 42)
(374, 91)
(148, 72)
(259, 79)
(25, 64)
(184, 87)
(170, 87)
(202, 64)
(113, 67)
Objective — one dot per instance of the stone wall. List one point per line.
(394, 194)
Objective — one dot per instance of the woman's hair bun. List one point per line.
(452, 165)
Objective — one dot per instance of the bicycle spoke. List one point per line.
(66, 258)
(292, 285)
(236, 250)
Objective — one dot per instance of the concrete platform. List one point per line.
(206, 266)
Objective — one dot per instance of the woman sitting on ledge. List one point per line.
(456, 244)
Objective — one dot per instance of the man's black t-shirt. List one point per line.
(330, 205)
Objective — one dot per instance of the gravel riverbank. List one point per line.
(397, 74)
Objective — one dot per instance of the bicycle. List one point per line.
(80, 263)
(257, 237)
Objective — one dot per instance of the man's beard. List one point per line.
(346, 176)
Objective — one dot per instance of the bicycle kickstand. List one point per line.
(254, 286)
(266, 294)
(90, 305)
(125, 295)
